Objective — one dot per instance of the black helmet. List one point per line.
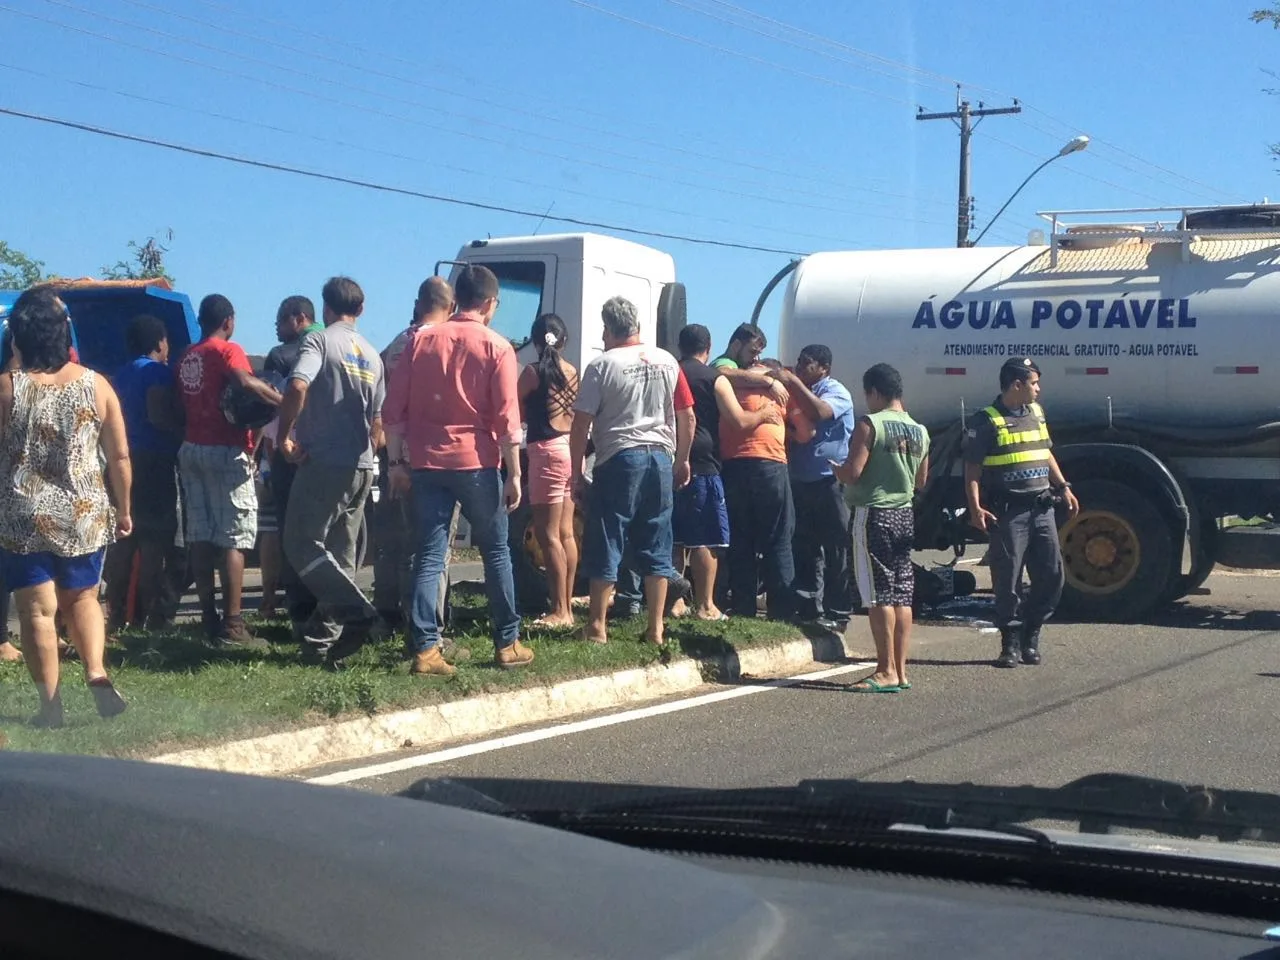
(245, 409)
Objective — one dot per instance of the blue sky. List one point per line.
(792, 128)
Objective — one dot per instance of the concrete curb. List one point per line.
(280, 753)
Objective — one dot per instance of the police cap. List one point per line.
(1021, 364)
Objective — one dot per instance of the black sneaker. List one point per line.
(107, 698)
(50, 716)
(354, 636)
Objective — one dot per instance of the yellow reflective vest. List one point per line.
(1021, 447)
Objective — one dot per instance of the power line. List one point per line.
(1078, 173)
(385, 188)
(761, 61)
(346, 145)
(418, 65)
(1118, 149)
(911, 68)
(666, 146)
(939, 78)
(800, 46)
(663, 178)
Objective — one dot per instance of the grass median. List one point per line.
(182, 694)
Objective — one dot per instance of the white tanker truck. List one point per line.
(1157, 331)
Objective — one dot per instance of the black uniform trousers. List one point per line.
(1025, 537)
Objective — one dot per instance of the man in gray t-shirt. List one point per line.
(334, 398)
(345, 389)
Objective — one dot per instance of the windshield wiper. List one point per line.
(1097, 804)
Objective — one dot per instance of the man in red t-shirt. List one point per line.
(219, 499)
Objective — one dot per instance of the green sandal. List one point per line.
(869, 685)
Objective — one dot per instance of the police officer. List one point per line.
(1012, 483)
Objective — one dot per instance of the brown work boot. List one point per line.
(516, 655)
(430, 663)
(235, 634)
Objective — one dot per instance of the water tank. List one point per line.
(1189, 343)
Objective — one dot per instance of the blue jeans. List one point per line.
(479, 494)
(630, 509)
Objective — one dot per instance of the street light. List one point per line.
(1074, 145)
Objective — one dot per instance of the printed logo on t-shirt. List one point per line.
(357, 365)
(191, 372)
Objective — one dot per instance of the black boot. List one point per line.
(1008, 648)
(1031, 644)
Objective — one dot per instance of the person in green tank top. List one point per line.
(888, 461)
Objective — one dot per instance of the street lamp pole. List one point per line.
(1075, 145)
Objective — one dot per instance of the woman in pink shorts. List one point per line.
(548, 388)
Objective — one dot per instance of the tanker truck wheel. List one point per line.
(1117, 554)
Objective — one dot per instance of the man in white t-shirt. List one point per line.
(637, 408)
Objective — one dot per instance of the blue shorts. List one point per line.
(700, 517)
(629, 505)
(69, 573)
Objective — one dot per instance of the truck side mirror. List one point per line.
(672, 315)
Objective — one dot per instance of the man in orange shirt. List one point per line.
(452, 417)
(757, 491)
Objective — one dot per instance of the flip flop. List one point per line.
(723, 618)
(541, 624)
(905, 686)
(868, 685)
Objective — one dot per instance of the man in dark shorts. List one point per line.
(700, 520)
(888, 461)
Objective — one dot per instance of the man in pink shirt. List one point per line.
(452, 419)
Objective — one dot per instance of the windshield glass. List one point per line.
(520, 298)
(962, 467)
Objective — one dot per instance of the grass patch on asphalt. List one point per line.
(182, 694)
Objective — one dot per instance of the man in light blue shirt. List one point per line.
(819, 425)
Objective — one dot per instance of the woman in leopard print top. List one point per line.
(57, 421)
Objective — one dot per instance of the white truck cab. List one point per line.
(572, 275)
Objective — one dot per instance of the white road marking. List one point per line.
(578, 726)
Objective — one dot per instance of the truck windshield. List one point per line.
(520, 298)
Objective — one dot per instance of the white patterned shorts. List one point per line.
(219, 499)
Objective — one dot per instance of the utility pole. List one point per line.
(964, 116)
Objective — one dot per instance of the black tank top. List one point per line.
(538, 420)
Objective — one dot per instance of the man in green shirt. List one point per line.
(888, 461)
(738, 362)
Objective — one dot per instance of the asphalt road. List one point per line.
(1192, 696)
